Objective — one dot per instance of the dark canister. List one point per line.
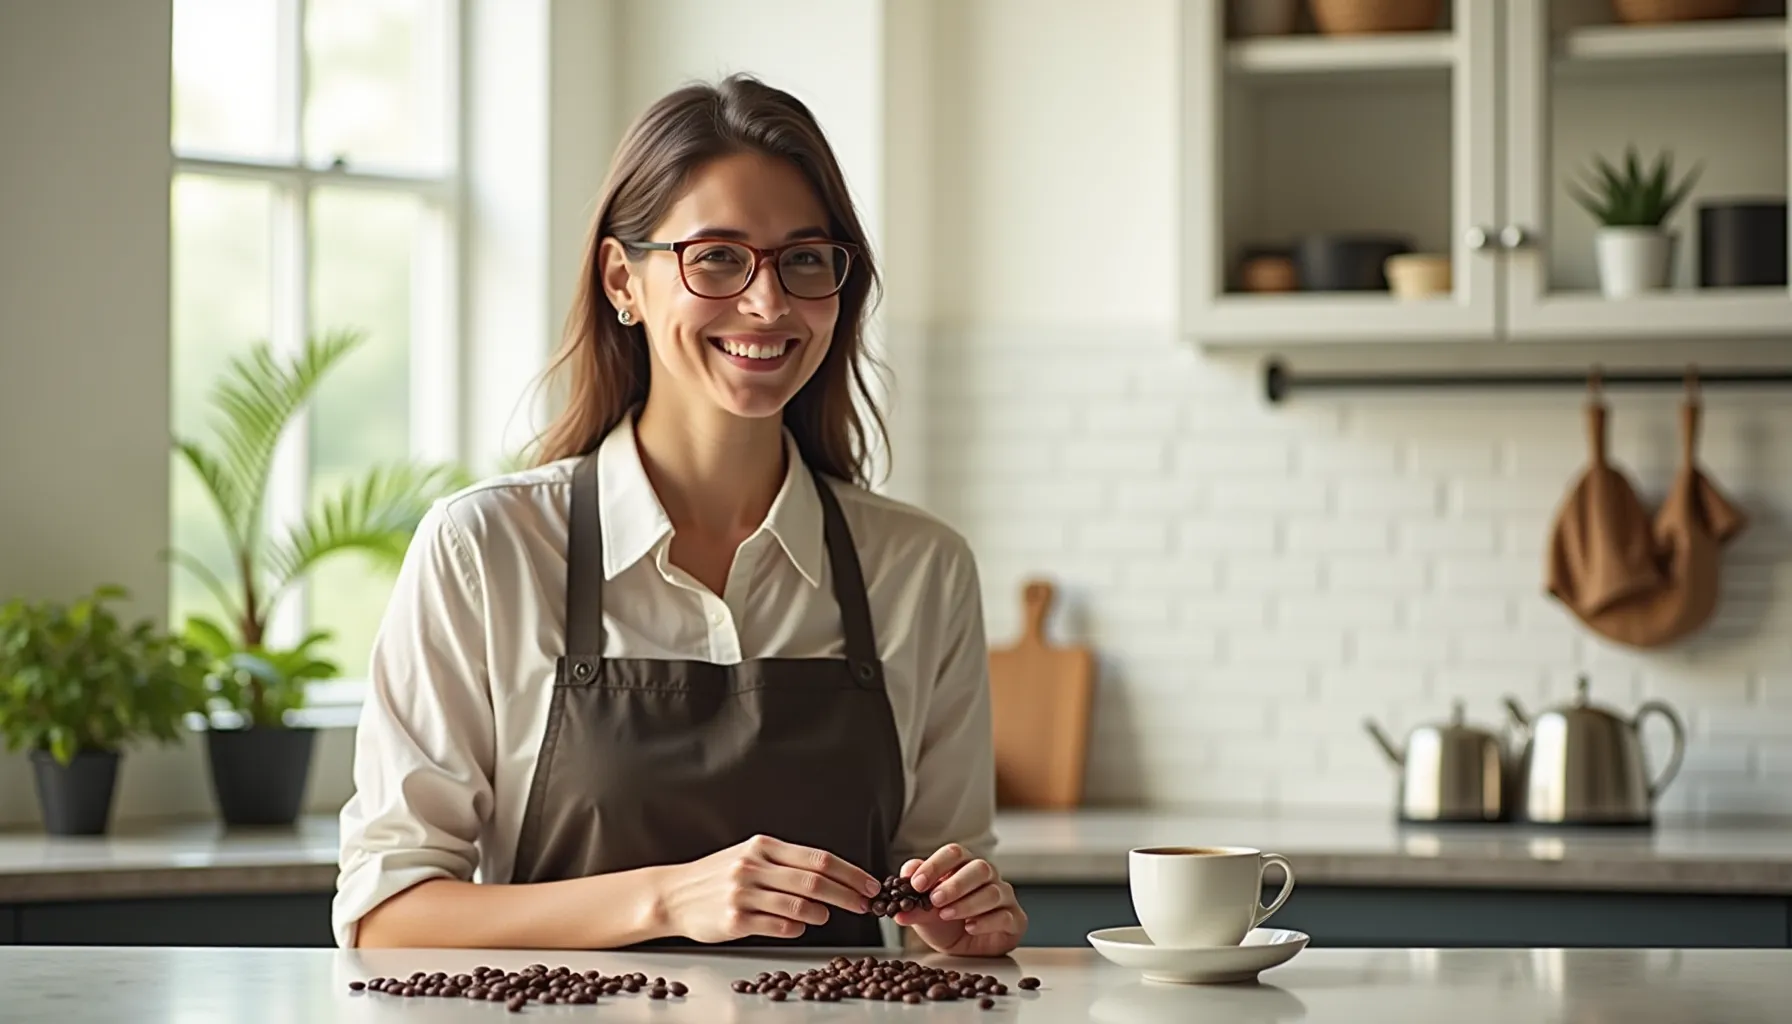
(1742, 243)
(1347, 261)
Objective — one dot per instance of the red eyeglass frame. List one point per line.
(759, 256)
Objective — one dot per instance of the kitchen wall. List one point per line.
(1258, 580)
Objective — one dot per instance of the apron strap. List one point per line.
(585, 581)
(849, 589)
(585, 574)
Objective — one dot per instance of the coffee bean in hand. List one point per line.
(897, 895)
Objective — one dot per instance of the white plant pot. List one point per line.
(1634, 259)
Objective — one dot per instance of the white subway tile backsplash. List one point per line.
(1228, 534)
(1268, 457)
(1165, 497)
(1455, 455)
(1350, 456)
(1277, 496)
(1257, 580)
(1113, 461)
(1446, 536)
(1357, 535)
(1326, 609)
(1416, 497)
(1377, 574)
(1253, 574)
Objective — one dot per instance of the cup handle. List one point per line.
(1262, 913)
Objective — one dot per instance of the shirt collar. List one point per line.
(635, 522)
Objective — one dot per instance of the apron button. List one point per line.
(581, 669)
(865, 671)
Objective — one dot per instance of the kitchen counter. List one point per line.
(151, 985)
(1085, 847)
(1089, 847)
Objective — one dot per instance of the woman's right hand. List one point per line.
(762, 886)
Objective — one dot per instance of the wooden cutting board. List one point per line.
(1040, 696)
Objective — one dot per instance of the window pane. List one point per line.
(361, 268)
(225, 78)
(376, 91)
(222, 232)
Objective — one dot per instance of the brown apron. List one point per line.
(651, 761)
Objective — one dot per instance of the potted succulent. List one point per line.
(1634, 249)
(77, 686)
(259, 759)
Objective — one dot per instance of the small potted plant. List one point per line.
(1634, 249)
(77, 686)
(259, 758)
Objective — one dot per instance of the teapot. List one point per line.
(1583, 764)
(1448, 772)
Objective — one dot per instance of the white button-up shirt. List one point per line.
(463, 665)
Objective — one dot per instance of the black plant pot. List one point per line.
(76, 798)
(258, 775)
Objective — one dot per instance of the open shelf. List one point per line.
(1313, 54)
(1736, 38)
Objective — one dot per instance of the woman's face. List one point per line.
(747, 355)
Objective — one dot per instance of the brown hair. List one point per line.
(604, 364)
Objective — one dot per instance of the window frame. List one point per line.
(439, 338)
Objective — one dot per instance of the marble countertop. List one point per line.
(149, 985)
(1086, 846)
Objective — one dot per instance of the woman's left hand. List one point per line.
(974, 912)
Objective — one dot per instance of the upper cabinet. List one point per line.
(1421, 170)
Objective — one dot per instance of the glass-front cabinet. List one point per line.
(1484, 170)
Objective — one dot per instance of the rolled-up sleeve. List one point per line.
(954, 785)
(425, 747)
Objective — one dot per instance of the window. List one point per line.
(316, 187)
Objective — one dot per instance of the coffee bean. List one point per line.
(896, 896)
(679, 988)
(1029, 983)
(356, 986)
(516, 1004)
(986, 1003)
(777, 995)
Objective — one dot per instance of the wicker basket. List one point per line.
(1655, 12)
(1357, 17)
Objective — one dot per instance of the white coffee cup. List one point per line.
(1188, 896)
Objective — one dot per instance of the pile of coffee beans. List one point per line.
(898, 895)
(536, 983)
(877, 980)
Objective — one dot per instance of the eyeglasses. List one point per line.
(717, 268)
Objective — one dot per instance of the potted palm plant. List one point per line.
(1634, 249)
(77, 686)
(260, 760)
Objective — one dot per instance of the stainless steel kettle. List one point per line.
(1583, 764)
(1448, 772)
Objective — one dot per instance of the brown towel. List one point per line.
(1601, 551)
(1694, 524)
(1671, 589)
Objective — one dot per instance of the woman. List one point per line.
(686, 680)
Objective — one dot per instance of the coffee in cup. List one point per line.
(1202, 895)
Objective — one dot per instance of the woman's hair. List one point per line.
(603, 364)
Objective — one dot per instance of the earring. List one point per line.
(624, 317)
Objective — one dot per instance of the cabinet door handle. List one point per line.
(1478, 239)
(1514, 237)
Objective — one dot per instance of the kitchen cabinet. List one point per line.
(1060, 915)
(1462, 139)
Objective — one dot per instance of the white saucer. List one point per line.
(1262, 949)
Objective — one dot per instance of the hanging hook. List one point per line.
(1692, 383)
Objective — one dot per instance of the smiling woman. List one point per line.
(687, 679)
